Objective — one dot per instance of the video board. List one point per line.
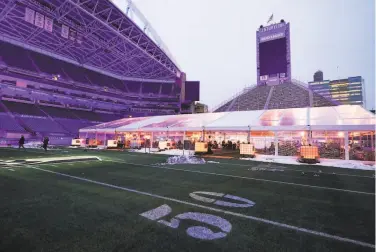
(273, 54)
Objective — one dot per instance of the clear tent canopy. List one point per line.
(337, 118)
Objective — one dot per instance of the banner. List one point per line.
(72, 35)
(48, 24)
(39, 20)
(29, 15)
(79, 38)
(64, 31)
(21, 84)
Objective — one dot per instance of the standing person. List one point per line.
(21, 142)
(45, 143)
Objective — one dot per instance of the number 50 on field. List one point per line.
(200, 232)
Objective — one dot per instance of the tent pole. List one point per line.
(275, 143)
(249, 135)
(104, 142)
(347, 155)
(125, 139)
(183, 141)
(372, 143)
(151, 140)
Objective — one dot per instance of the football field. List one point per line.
(72, 200)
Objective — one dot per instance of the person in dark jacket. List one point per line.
(21, 142)
(45, 143)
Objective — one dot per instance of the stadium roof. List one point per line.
(92, 33)
(337, 118)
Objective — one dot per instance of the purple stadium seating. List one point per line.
(224, 107)
(44, 119)
(100, 79)
(23, 108)
(109, 117)
(8, 52)
(58, 112)
(289, 95)
(319, 101)
(75, 73)
(73, 126)
(166, 88)
(87, 115)
(253, 99)
(133, 86)
(48, 65)
(37, 62)
(44, 125)
(286, 95)
(150, 88)
(9, 124)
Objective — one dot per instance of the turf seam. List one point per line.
(248, 178)
(298, 229)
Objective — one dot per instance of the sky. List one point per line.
(214, 41)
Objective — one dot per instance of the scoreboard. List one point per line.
(273, 54)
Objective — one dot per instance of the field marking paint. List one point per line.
(248, 203)
(250, 217)
(248, 178)
(198, 232)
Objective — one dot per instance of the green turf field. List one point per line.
(97, 205)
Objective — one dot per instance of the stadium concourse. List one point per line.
(339, 132)
(65, 65)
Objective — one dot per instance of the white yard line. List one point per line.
(248, 178)
(266, 221)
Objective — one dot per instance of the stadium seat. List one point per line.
(286, 95)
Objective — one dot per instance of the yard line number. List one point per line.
(200, 232)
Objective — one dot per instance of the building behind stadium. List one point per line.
(349, 91)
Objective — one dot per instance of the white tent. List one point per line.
(337, 118)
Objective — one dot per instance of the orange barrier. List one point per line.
(309, 153)
(95, 143)
(201, 147)
(78, 142)
(247, 149)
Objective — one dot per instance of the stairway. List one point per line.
(268, 99)
(18, 120)
(52, 119)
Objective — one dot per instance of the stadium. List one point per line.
(127, 165)
(79, 70)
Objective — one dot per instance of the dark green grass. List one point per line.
(47, 212)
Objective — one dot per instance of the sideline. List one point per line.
(278, 224)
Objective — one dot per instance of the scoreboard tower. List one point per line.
(273, 54)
